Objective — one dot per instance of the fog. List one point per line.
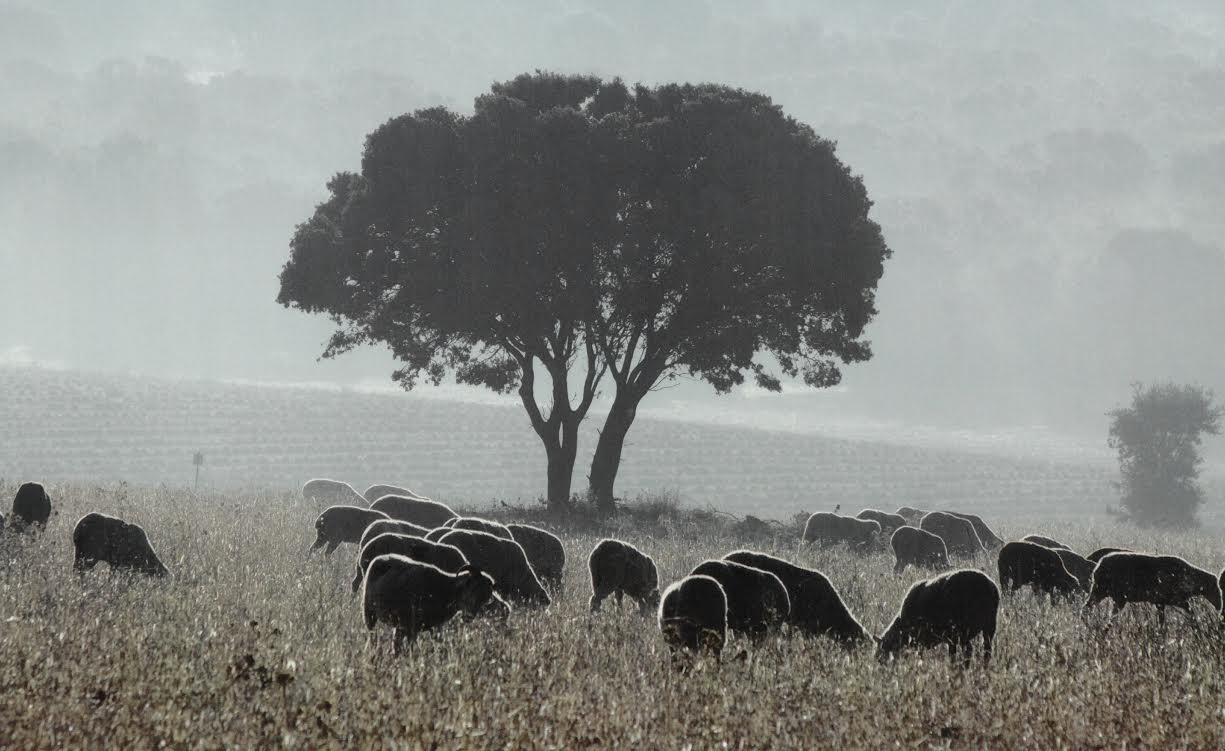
(1049, 175)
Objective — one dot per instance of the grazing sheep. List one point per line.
(413, 597)
(1025, 563)
(1163, 580)
(828, 529)
(436, 534)
(445, 557)
(497, 529)
(544, 551)
(333, 493)
(887, 521)
(339, 524)
(622, 569)
(98, 537)
(693, 615)
(1100, 553)
(390, 526)
(919, 548)
(959, 536)
(504, 560)
(423, 513)
(911, 514)
(986, 535)
(31, 507)
(1044, 541)
(951, 609)
(757, 600)
(375, 492)
(1078, 566)
(816, 607)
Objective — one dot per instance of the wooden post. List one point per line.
(198, 460)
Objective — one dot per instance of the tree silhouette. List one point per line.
(1158, 439)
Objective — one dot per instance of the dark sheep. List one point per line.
(1025, 563)
(919, 548)
(98, 537)
(340, 524)
(1163, 580)
(1078, 566)
(959, 536)
(434, 535)
(693, 615)
(390, 527)
(333, 493)
(423, 513)
(544, 551)
(826, 529)
(445, 557)
(504, 560)
(757, 601)
(816, 607)
(497, 529)
(622, 569)
(375, 492)
(413, 597)
(1100, 553)
(31, 507)
(951, 609)
(911, 514)
(1045, 542)
(887, 521)
(986, 535)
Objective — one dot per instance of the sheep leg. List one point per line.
(397, 643)
(1161, 616)
(987, 642)
(597, 597)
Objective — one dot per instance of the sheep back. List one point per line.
(693, 615)
(950, 609)
(757, 601)
(826, 529)
(375, 492)
(332, 492)
(888, 522)
(816, 607)
(497, 529)
(392, 527)
(959, 536)
(919, 548)
(620, 568)
(502, 559)
(544, 551)
(1028, 564)
(1044, 541)
(423, 513)
(31, 507)
(99, 537)
(342, 524)
(444, 557)
(1162, 580)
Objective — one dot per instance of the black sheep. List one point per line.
(98, 537)
(919, 548)
(816, 607)
(1025, 563)
(950, 609)
(757, 600)
(622, 569)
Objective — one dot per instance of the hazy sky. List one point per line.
(1050, 176)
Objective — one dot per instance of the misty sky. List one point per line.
(1050, 176)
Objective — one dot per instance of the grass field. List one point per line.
(254, 644)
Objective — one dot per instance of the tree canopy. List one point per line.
(644, 232)
(1158, 439)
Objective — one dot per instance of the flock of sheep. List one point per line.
(419, 564)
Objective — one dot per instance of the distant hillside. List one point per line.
(65, 425)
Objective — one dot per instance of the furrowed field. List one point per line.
(256, 644)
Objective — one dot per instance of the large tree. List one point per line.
(644, 233)
(1158, 438)
(467, 244)
(739, 234)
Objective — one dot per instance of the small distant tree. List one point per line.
(1158, 439)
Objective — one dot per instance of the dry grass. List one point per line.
(255, 644)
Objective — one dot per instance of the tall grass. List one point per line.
(256, 644)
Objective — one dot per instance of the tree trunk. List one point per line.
(561, 474)
(607, 458)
